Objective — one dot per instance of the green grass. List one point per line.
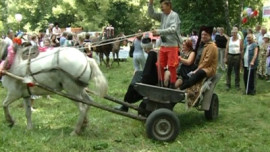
(243, 124)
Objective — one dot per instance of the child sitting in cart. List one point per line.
(147, 76)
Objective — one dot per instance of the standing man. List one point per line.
(9, 37)
(138, 54)
(63, 38)
(257, 32)
(250, 64)
(169, 33)
(221, 41)
(261, 35)
(233, 58)
(214, 34)
(49, 30)
(56, 30)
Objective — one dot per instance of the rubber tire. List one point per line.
(162, 118)
(212, 113)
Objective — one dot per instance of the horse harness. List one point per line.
(31, 55)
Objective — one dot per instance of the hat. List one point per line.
(207, 29)
(266, 36)
(17, 40)
(147, 42)
(19, 34)
(234, 31)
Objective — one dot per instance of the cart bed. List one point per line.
(160, 94)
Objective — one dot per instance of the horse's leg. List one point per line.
(82, 121)
(28, 112)
(113, 58)
(97, 58)
(83, 108)
(88, 99)
(108, 60)
(117, 55)
(102, 59)
(77, 91)
(9, 99)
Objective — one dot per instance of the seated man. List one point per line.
(147, 76)
(206, 62)
(206, 59)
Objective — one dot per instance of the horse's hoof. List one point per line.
(74, 133)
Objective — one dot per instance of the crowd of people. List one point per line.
(238, 50)
(199, 57)
(53, 37)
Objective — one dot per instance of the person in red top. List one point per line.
(170, 38)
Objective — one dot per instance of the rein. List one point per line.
(109, 41)
(126, 36)
(29, 73)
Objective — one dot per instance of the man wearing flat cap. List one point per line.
(169, 33)
(206, 59)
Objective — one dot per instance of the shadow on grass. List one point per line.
(194, 119)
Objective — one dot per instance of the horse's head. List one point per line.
(121, 38)
(3, 49)
(25, 51)
(88, 48)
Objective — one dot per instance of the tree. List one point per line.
(35, 12)
(225, 13)
(3, 15)
(125, 15)
(128, 18)
(91, 13)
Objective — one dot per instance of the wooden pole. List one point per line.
(115, 100)
(94, 104)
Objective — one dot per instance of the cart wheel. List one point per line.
(163, 125)
(212, 113)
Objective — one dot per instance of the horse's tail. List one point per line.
(98, 77)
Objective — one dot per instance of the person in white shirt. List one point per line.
(9, 37)
(34, 40)
(257, 32)
(56, 30)
(233, 58)
(49, 30)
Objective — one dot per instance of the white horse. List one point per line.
(61, 69)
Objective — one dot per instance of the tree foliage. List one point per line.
(126, 16)
(194, 13)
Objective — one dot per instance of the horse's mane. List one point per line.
(4, 48)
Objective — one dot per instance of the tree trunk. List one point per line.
(226, 10)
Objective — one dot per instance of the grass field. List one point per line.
(243, 124)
